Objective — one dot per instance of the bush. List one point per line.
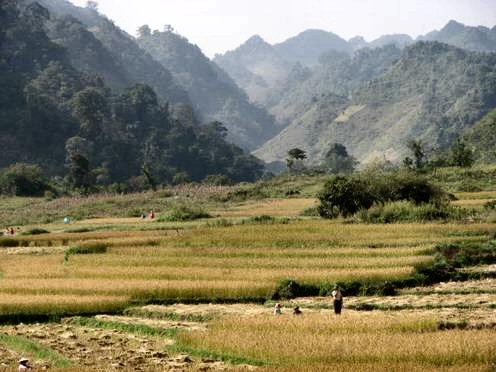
(94, 248)
(346, 195)
(405, 211)
(36, 231)
(22, 180)
(311, 212)
(265, 220)
(184, 213)
(289, 288)
(9, 243)
(217, 180)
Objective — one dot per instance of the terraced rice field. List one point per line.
(236, 263)
(192, 296)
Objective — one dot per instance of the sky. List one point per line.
(217, 26)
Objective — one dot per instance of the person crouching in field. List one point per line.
(338, 300)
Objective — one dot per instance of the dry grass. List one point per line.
(237, 262)
(354, 339)
(276, 207)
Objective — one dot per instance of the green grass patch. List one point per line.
(94, 248)
(184, 212)
(138, 329)
(147, 314)
(37, 351)
(265, 220)
(36, 231)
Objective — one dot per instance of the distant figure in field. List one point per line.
(67, 221)
(12, 231)
(277, 309)
(152, 215)
(24, 364)
(297, 311)
(338, 300)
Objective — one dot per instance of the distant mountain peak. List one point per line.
(453, 25)
(255, 42)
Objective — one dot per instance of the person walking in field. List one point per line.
(277, 309)
(337, 300)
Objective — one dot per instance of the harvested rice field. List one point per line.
(125, 293)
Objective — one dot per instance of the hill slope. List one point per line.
(482, 138)
(433, 92)
(477, 39)
(213, 93)
(256, 67)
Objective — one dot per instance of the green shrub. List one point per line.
(78, 230)
(9, 243)
(183, 212)
(36, 231)
(490, 205)
(265, 220)
(289, 288)
(405, 211)
(311, 212)
(344, 195)
(220, 223)
(22, 180)
(93, 248)
(217, 180)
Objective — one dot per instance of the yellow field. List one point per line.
(354, 341)
(232, 258)
(236, 262)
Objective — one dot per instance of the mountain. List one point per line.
(477, 39)
(482, 138)
(132, 66)
(213, 93)
(337, 73)
(185, 76)
(64, 118)
(432, 92)
(255, 66)
(398, 40)
(307, 47)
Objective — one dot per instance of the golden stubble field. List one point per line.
(151, 262)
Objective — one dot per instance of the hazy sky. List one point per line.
(220, 25)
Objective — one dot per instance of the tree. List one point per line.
(79, 172)
(90, 108)
(22, 180)
(461, 155)
(295, 158)
(344, 195)
(419, 155)
(144, 31)
(338, 160)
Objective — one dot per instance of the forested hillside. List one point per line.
(177, 70)
(61, 117)
(215, 96)
(482, 138)
(98, 46)
(433, 92)
(256, 67)
(477, 39)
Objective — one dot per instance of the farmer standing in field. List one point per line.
(338, 300)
